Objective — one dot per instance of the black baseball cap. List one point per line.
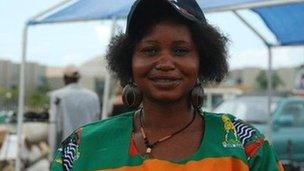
(188, 9)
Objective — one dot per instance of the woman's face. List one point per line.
(165, 63)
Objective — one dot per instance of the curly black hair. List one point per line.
(210, 43)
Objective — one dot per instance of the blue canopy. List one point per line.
(83, 10)
(285, 21)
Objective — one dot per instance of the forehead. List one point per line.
(168, 28)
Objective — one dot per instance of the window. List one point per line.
(294, 112)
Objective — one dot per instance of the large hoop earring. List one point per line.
(131, 95)
(197, 96)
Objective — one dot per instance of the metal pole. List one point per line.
(269, 94)
(106, 95)
(269, 74)
(250, 5)
(108, 81)
(49, 10)
(243, 20)
(21, 99)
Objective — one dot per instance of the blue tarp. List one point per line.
(105, 9)
(85, 10)
(286, 22)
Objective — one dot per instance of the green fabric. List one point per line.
(105, 144)
(264, 159)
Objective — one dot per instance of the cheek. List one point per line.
(140, 67)
(196, 64)
(191, 67)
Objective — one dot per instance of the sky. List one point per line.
(76, 43)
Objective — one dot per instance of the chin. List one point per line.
(164, 98)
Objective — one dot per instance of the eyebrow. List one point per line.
(150, 41)
(156, 42)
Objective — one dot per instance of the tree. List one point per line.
(262, 81)
(39, 98)
(8, 98)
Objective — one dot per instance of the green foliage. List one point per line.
(262, 82)
(35, 99)
(9, 94)
(39, 98)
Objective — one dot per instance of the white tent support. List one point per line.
(49, 10)
(70, 21)
(21, 98)
(251, 5)
(269, 73)
(106, 96)
(108, 81)
(244, 21)
(269, 94)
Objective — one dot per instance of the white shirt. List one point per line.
(71, 107)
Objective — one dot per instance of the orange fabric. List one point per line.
(252, 148)
(210, 164)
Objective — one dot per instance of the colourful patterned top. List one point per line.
(107, 145)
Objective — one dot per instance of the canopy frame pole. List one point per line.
(21, 98)
(52, 8)
(244, 21)
(108, 80)
(251, 5)
(269, 94)
(269, 73)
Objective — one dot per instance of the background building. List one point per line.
(9, 74)
(246, 78)
(34, 75)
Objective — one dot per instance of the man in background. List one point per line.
(71, 107)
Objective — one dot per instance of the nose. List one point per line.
(165, 63)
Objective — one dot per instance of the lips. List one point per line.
(165, 82)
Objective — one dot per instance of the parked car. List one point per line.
(287, 118)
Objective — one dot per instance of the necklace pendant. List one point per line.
(148, 150)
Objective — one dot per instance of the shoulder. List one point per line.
(239, 125)
(90, 93)
(97, 135)
(114, 123)
(56, 96)
(244, 130)
(57, 92)
(223, 118)
(250, 138)
(83, 91)
(94, 129)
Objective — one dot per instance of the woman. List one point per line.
(168, 51)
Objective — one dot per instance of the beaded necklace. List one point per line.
(148, 144)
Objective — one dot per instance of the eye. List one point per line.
(180, 51)
(150, 51)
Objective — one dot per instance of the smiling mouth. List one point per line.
(165, 83)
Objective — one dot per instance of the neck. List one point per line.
(166, 116)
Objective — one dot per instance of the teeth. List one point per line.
(164, 80)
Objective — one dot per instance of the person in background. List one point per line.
(71, 107)
(169, 51)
